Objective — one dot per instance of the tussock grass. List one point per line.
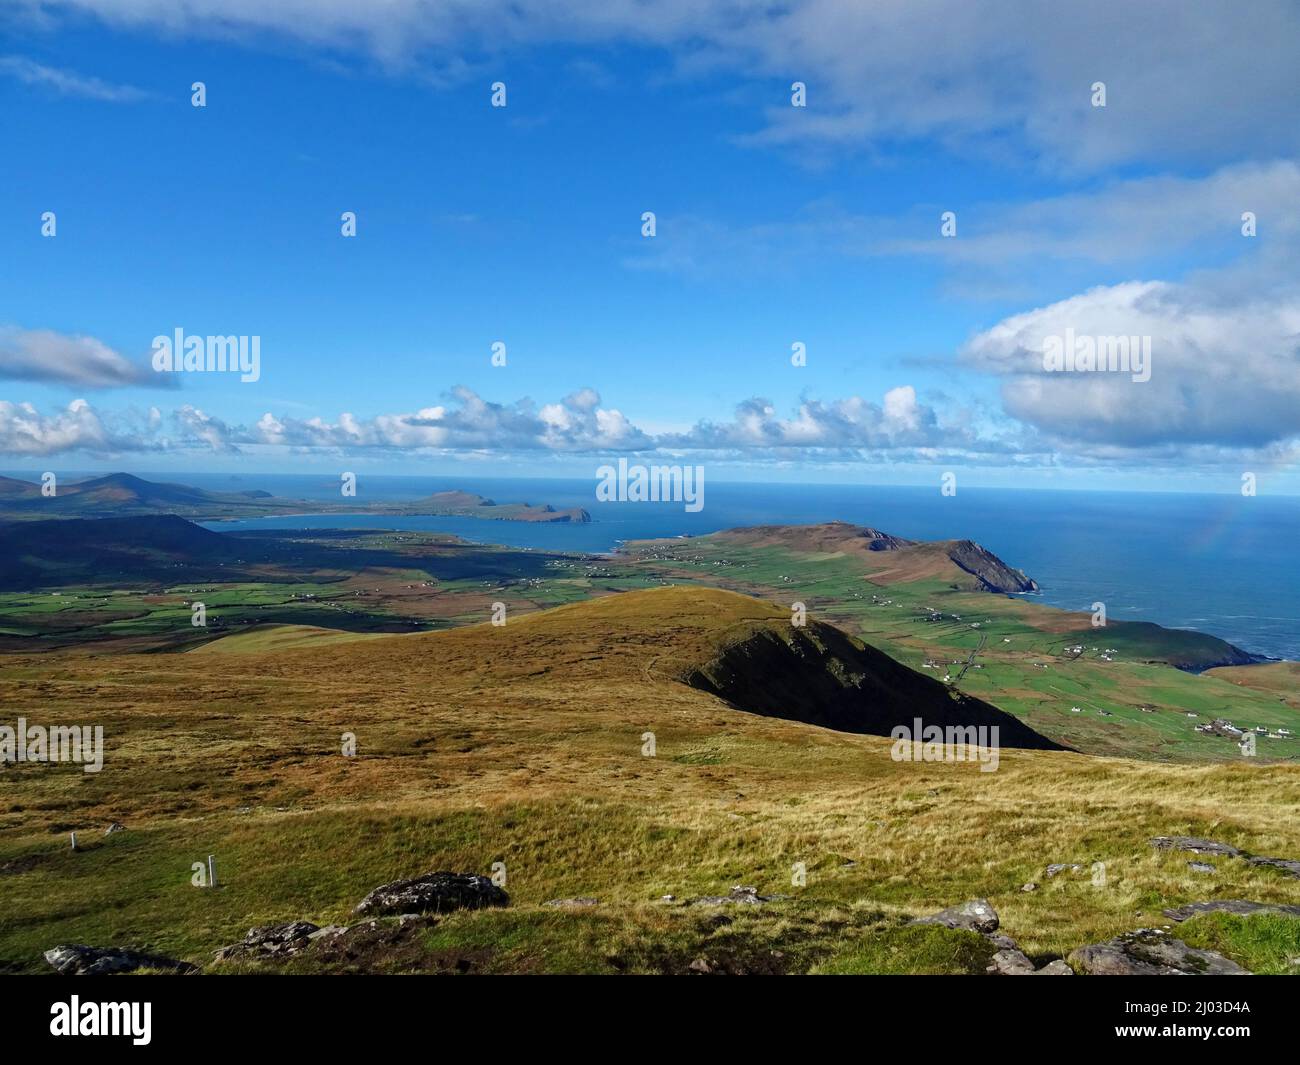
(522, 745)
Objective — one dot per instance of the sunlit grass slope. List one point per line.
(524, 744)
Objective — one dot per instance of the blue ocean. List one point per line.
(1222, 564)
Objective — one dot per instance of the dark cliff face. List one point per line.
(992, 573)
(821, 676)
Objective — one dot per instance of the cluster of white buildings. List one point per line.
(1223, 727)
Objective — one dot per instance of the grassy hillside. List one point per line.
(523, 744)
(1128, 689)
(1136, 686)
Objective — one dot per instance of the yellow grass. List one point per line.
(523, 744)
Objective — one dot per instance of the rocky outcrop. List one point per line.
(1152, 952)
(434, 893)
(737, 896)
(979, 916)
(1197, 845)
(993, 574)
(1239, 907)
(272, 941)
(974, 916)
(1288, 865)
(75, 959)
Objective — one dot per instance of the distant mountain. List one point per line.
(115, 493)
(10, 488)
(124, 494)
(40, 554)
(964, 564)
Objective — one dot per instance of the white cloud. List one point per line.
(1067, 419)
(1126, 221)
(25, 431)
(1211, 81)
(67, 82)
(577, 424)
(1223, 373)
(84, 361)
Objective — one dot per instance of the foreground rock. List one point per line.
(1240, 907)
(271, 941)
(978, 915)
(1010, 963)
(1288, 865)
(74, 959)
(433, 893)
(1196, 845)
(737, 896)
(1151, 952)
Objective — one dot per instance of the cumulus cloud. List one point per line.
(1081, 419)
(78, 427)
(899, 422)
(83, 361)
(66, 82)
(579, 423)
(1223, 372)
(194, 426)
(1013, 76)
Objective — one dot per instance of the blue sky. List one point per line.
(775, 224)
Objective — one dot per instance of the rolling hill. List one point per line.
(524, 747)
(962, 564)
(40, 554)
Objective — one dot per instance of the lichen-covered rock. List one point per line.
(271, 941)
(434, 893)
(75, 959)
(1196, 845)
(977, 915)
(1151, 952)
(737, 896)
(1009, 963)
(1240, 907)
(1288, 865)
